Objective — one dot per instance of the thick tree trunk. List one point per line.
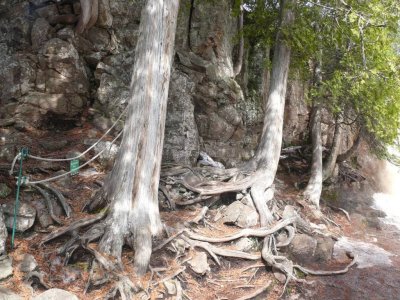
(267, 155)
(314, 187)
(330, 162)
(132, 186)
(239, 62)
(345, 156)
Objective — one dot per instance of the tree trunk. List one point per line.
(89, 14)
(132, 186)
(238, 66)
(267, 155)
(345, 156)
(314, 187)
(266, 79)
(330, 163)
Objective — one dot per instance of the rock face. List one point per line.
(50, 74)
(25, 216)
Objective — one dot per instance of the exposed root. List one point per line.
(193, 201)
(64, 204)
(49, 204)
(256, 292)
(168, 240)
(171, 201)
(261, 232)
(74, 226)
(291, 231)
(213, 251)
(326, 273)
(200, 216)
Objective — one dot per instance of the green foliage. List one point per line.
(355, 41)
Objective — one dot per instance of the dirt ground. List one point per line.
(233, 279)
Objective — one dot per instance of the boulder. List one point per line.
(306, 249)
(6, 269)
(56, 294)
(28, 263)
(40, 33)
(199, 263)
(6, 294)
(25, 216)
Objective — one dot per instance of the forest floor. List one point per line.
(233, 279)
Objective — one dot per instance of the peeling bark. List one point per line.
(268, 152)
(132, 186)
(89, 14)
(346, 155)
(239, 62)
(330, 162)
(314, 187)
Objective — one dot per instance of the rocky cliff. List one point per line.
(51, 76)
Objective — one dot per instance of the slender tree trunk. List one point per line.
(132, 186)
(266, 79)
(89, 15)
(330, 163)
(345, 156)
(268, 152)
(238, 66)
(314, 187)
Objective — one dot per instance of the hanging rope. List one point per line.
(72, 158)
(81, 166)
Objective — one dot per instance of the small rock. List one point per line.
(28, 263)
(171, 286)
(242, 215)
(6, 294)
(109, 154)
(102, 123)
(302, 248)
(239, 196)
(25, 216)
(248, 217)
(232, 212)
(5, 191)
(279, 276)
(70, 275)
(6, 269)
(244, 244)
(199, 263)
(56, 294)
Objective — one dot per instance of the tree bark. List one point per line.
(266, 159)
(330, 162)
(239, 62)
(314, 187)
(89, 14)
(345, 156)
(266, 79)
(131, 188)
